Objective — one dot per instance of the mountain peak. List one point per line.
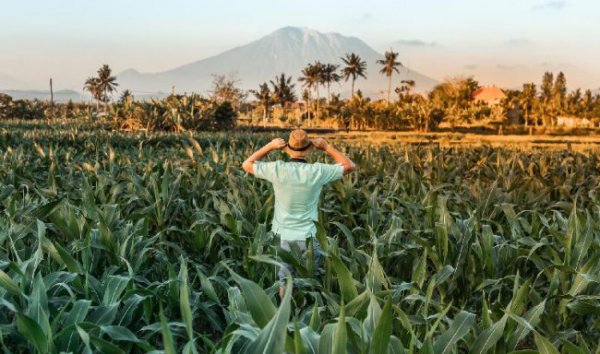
(295, 29)
(129, 71)
(285, 50)
(304, 33)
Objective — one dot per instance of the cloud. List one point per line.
(517, 42)
(365, 17)
(508, 67)
(550, 5)
(470, 66)
(415, 43)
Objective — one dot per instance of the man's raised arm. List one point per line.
(337, 156)
(275, 144)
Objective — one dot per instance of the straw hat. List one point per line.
(299, 144)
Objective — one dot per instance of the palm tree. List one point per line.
(311, 77)
(283, 90)
(409, 84)
(354, 68)
(526, 101)
(106, 83)
(306, 99)
(319, 78)
(330, 75)
(404, 91)
(389, 66)
(126, 96)
(263, 95)
(92, 86)
(587, 103)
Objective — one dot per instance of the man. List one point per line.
(297, 185)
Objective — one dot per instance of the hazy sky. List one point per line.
(503, 42)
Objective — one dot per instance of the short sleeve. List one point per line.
(264, 170)
(330, 173)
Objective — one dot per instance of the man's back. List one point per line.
(297, 187)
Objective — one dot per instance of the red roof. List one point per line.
(488, 94)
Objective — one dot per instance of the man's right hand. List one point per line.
(320, 143)
(337, 156)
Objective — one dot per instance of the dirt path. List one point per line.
(446, 139)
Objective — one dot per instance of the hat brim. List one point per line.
(306, 152)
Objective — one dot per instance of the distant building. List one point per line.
(489, 95)
(573, 122)
(297, 105)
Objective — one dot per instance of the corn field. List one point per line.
(159, 243)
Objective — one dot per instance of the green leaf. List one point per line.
(115, 286)
(419, 270)
(272, 337)
(167, 336)
(488, 338)
(207, 287)
(38, 306)
(383, 331)
(486, 320)
(184, 301)
(326, 339)
(373, 315)
(103, 314)
(315, 321)
(544, 345)
(129, 307)
(76, 315)
(105, 347)
(460, 326)
(340, 338)
(119, 333)
(427, 347)
(311, 340)
(345, 280)
(356, 307)
(72, 265)
(85, 337)
(298, 342)
(33, 332)
(584, 308)
(572, 348)
(10, 285)
(519, 300)
(572, 234)
(529, 321)
(258, 302)
(375, 277)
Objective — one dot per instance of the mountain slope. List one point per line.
(286, 50)
(44, 95)
(7, 82)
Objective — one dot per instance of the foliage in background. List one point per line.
(453, 103)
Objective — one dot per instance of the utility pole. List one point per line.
(51, 100)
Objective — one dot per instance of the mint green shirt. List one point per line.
(297, 187)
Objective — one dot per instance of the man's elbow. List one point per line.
(248, 167)
(349, 167)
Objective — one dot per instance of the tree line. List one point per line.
(452, 101)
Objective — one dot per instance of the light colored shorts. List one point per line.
(286, 245)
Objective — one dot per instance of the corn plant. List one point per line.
(159, 242)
